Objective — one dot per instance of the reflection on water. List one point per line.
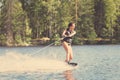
(68, 75)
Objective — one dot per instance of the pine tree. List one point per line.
(117, 26)
(110, 17)
(7, 21)
(85, 19)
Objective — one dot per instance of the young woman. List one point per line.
(67, 40)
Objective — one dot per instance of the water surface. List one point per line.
(95, 62)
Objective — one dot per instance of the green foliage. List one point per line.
(77, 41)
(110, 16)
(24, 20)
(105, 17)
(56, 39)
(117, 26)
(15, 24)
(85, 22)
(2, 39)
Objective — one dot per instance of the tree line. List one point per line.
(24, 21)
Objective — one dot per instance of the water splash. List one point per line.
(15, 62)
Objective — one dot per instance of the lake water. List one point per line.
(95, 62)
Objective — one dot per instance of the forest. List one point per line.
(41, 22)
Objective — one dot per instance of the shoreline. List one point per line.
(43, 45)
(76, 41)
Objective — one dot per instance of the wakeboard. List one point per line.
(72, 63)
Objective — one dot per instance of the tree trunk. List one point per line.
(76, 16)
(8, 22)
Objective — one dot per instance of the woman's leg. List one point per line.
(71, 53)
(66, 47)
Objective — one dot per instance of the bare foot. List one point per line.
(66, 61)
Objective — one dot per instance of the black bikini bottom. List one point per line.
(68, 40)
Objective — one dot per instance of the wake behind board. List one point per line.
(72, 64)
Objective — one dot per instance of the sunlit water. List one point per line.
(31, 63)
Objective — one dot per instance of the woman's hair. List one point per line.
(70, 24)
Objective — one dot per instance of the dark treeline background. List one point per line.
(31, 22)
